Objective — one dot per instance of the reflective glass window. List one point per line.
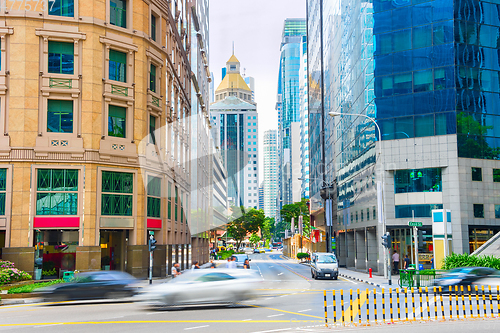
(417, 180)
(477, 174)
(3, 190)
(118, 13)
(382, 21)
(57, 192)
(444, 100)
(403, 105)
(442, 10)
(401, 18)
(117, 121)
(423, 102)
(117, 66)
(154, 197)
(61, 57)
(444, 78)
(422, 81)
(424, 125)
(59, 116)
(387, 129)
(422, 36)
(422, 14)
(402, 62)
(405, 211)
(497, 211)
(496, 175)
(478, 210)
(402, 83)
(442, 33)
(443, 55)
(403, 128)
(61, 7)
(422, 58)
(383, 64)
(116, 193)
(402, 40)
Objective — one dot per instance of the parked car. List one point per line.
(203, 286)
(256, 250)
(240, 259)
(464, 276)
(325, 265)
(92, 285)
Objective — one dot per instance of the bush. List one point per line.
(225, 254)
(302, 255)
(6, 264)
(465, 260)
(30, 287)
(10, 275)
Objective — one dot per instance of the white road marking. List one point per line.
(304, 310)
(271, 266)
(47, 325)
(278, 330)
(276, 315)
(280, 273)
(192, 328)
(246, 319)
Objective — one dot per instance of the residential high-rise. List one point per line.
(270, 172)
(94, 120)
(416, 69)
(235, 117)
(288, 106)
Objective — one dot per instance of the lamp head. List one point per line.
(334, 114)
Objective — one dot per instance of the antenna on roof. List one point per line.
(244, 70)
(233, 47)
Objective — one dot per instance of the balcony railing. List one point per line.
(60, 83)
(155, 101)
(118, 90)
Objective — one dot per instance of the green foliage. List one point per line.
(295, 210)
(9, 275)
(49, 272)
(30, 287)
(250, 221)
(471, 138)
(302, 255)
(6, 264)
(223, 255)
(267, 228)
(465, 260)
(254, 239)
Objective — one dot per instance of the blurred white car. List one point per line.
(202, 286)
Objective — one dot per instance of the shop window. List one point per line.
(118, 13)
(117, 193)
(478, 210)
(406, 211)
(117, 121)
(497, 211)
(61, 57)
(153, 27)
(57, 192)
(59, 116)
(152, 128)
(62, 8)
(477, 174)
(417, 180)
(496, 175)
(117, 66)
(3, 190)
(152, 78)
(154, 197)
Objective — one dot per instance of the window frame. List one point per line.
(60, 58)
(478, 205)
(131, 194)
(496, 177)
(52, 191)
(152, 137)
(109, 106)
(157, 196)
(116, 78)
(127, 9)
(75, 10)
(474, 172)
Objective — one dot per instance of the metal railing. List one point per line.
(60, 83)
(119, 90)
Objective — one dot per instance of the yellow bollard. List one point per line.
(375, 304)
(435, 305)
(451, 304)
(420, 298)
(390, 303)
(463, 302)
(470, 302)
(413, 304)
(427, 301)
(342, 304)
(359, 307)
(397, 300)
(484, 302)
(498, 301)
(383, 305)
(406, 304)
(350, 304)
(367, 305)
(477, 302)
(326, 313)
(456, 302)
(334, 308)
(442, 303)
(491, 301)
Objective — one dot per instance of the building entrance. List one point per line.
(113, 249)
(55, 253)
(403, 243)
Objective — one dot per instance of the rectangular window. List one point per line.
(117, 121)
(479, 210)
(497, 211)
(417, 180)
(62, 8)
(59, 116)
(117, 66)
(405, 211)
(57, 192)
(117, 193)
(152, 78)
(175, 203)
(496, 175)
(169, 198)
(368, 214)
(152, 128)
(477, 175)
(61, 57)
(3, 190)
(118, 13)
(154, 196)
(153, 27)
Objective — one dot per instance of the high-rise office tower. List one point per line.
(288, 102)
(270, 172)
(261, 196)
(304, 120)
(427, 72)
(235, 117)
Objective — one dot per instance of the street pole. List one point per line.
(150, 264)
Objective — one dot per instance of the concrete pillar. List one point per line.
(341, 249)
(22, 257)
(372, 250)
(88, 258)
(360, 249)
(351, 251)
(138, 260)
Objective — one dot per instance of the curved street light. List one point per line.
(335, 114)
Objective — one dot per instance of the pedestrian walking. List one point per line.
(406, 262)
(195, 265)
(212, 264)
(176, 271)
(231, 262)
(395, 260)
(246, 264)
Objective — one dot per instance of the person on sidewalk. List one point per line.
(195, 265)
(395, 260)
(176, 271)
(231, 263)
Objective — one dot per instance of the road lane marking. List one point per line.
(246, 319)
(276, 315)
(284, 311)
(265, 321)
(278, 330)
(304, 310)
(193, 328)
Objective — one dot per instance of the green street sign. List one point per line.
(414, 224)
(152, 233)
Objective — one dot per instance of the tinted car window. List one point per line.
(326, 259)
(211, 277)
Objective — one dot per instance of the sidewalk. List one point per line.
(375, 280)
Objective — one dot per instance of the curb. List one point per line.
(360, 280)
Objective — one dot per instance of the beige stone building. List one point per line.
(94, 143)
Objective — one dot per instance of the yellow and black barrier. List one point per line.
(422, 304)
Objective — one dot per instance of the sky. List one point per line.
(255, 26)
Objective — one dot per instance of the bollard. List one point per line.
(390, 303)
(350, 304)
(370, 272)
(397, 300)
(367, 305)
(491, 301)
(477, 302)
(470, 302)
(442, 303)
(342, 304)
(406, 304)
(334, 308)
(484, 302)
(420, 297)
(463, 302)
(456, 302)
(427, 301)
(498, 301)
(383, 305)
(413, 304)
(435, 305)
(326, 313)
(359, 307)
(451, 304)
(375, 304)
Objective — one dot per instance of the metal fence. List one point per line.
(411, 304)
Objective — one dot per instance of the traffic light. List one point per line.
(387, 241)
(152, 243)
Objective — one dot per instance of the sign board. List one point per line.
(151, 232)
(414, 224)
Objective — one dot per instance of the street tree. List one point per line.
(295, 210)
(254, 239)
(244, 222)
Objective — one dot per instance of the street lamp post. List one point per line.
(387, 270)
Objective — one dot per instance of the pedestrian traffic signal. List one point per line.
(386, 241)
(152, 243)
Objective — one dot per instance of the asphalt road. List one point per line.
(291, 301)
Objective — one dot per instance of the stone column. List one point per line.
(138, 260)
(360, 249)
(88, 258)
(22, 257)
(159, 261)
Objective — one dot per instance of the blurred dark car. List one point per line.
(256, 250)
(92, 285)
(464, 276)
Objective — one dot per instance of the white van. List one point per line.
(325, 265)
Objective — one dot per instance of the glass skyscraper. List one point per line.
(427, 72)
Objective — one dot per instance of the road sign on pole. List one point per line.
(414, 224)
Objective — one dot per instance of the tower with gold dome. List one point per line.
(234, 115)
